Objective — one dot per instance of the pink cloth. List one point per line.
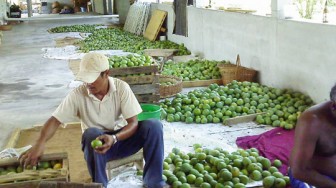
(274, 144)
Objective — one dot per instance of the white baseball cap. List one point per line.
(91, 66)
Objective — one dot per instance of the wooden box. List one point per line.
(146, 87)
(201, 83)
(5, 27)
(61, 184)
(241, 119)
(30, 178)
(64, 140)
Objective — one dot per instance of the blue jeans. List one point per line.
(149, 136)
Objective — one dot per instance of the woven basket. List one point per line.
(237, 72)
(170, 90)
(5, 27)
(229, 72)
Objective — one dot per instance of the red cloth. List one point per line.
(274, 144)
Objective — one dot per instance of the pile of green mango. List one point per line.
(117, 39)
(198, 69)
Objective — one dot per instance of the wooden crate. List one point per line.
(66, 139)
(201, 83)
(241, 119)
(31, 178)
(66, 41)
(146, 88)
(5, 27)
(164, 53)
(60, 184)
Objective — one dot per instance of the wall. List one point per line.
(288, 54)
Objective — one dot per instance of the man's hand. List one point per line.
(32, 156)
(107, 143)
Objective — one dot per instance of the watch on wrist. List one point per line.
(115, 139)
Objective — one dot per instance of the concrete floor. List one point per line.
(31, 87)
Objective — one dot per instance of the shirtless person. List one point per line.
(313, 159)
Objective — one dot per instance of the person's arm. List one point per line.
(306, 137)
(32, 156)
(126, 132)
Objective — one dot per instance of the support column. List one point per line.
(3, 12)
(30, 8)
(122, 8)
(278, 8)
(110, 6)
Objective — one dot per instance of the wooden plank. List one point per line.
(160, 52)
(67, 41)
(201, 83)
(92, 185)
(145, 89)
(134, 70)
(138, 79)
(155, 24)
(28, 184)
(31, 175)
(45, 157)
(69, 185)
(13, 139)
(48, 184)
(156, 79)
(54, 156)
(148, 98)
(234, 9)
(57, 184)
(5, 27)
(241, 119)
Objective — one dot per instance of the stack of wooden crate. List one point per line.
(144, 81)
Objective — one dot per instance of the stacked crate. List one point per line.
(143, 80)
(145, 87)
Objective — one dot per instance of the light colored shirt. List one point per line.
(109, 113)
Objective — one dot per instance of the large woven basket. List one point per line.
(170, 90)
(237, 72)
(5, 27)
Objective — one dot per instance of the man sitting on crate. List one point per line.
(102, 103)
(313, 159)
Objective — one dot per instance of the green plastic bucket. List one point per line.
(149, 111)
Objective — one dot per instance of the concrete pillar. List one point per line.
(122, 8)
(110, 6)
(30, 8)
(2, 11)
(278, 8)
